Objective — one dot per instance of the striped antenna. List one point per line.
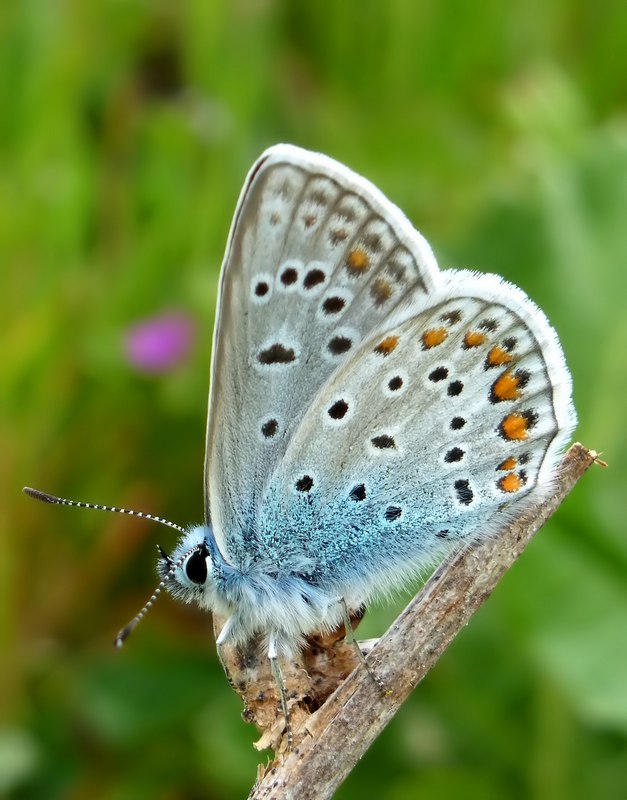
(125, 632)
(172, 566)
(61, 501)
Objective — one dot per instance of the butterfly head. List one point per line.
(189, 572)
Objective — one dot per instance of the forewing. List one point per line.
(316, 259)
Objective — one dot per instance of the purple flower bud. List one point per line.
(160, 343)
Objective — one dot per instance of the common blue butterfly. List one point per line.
(368, 413)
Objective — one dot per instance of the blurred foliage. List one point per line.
(126, 129)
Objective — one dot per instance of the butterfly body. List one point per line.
(368, 413)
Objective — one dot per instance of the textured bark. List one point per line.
(335, 718)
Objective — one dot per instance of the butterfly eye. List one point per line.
(196, 567)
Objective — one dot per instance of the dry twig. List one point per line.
(330, 741)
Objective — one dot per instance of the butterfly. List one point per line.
(368, 413)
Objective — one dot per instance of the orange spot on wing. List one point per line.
(510, 483)
(508, 464)
(497, 357)
(474, 339)
(505, 387)
(433, 337)
(386, 346)
(357, 261)
(515, 427)
(381, 290)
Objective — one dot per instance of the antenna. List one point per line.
(172, 565)
(61, 501)
(125, 632)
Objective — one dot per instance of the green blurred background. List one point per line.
(126, 129)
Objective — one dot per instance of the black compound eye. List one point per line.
(196, 567)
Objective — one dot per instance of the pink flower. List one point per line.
(159, 343)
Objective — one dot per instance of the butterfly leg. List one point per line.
(352, 639)
(226, 631)
(278, 677)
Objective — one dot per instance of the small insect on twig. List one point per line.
(369, 416)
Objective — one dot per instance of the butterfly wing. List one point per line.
(317, 257)
(441, 422)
